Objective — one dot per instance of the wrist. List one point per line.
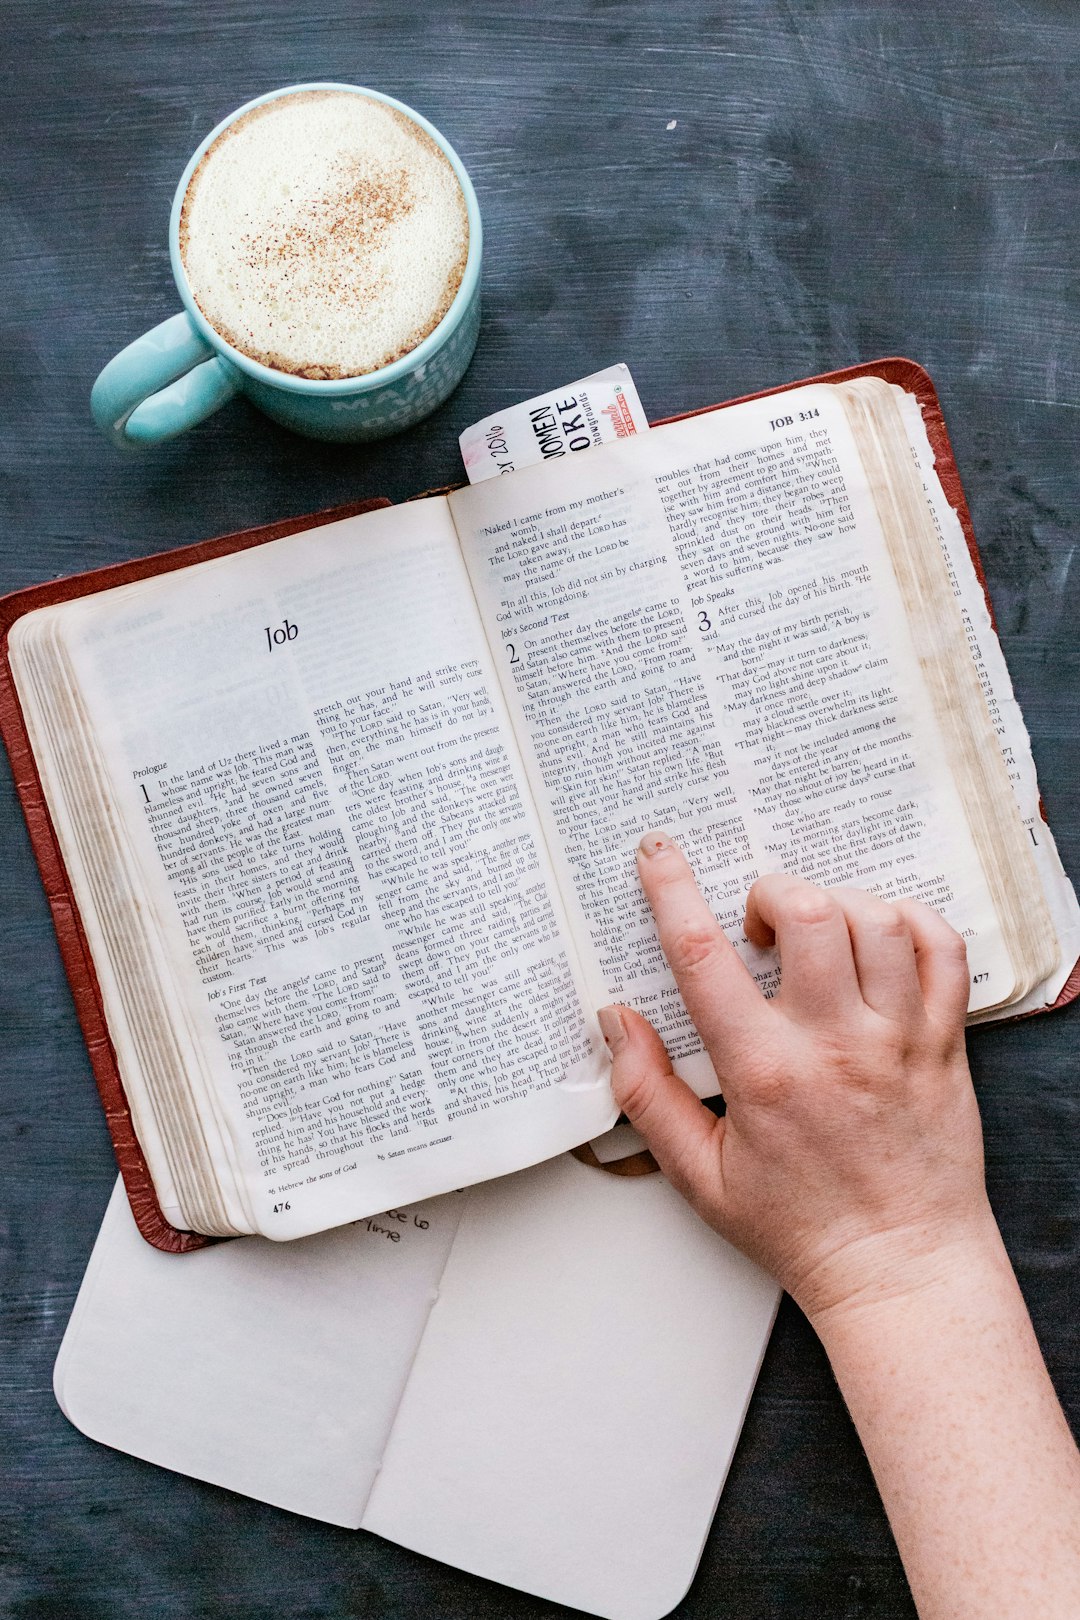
(946, 1385)
(886, 1276)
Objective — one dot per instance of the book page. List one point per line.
(1004, 710)
(274, 1370)
(312, 761)
(701, 630)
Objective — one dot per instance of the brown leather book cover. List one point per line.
(69, 931)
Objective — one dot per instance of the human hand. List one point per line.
(849, 1161)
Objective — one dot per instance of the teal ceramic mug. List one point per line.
(183, 370)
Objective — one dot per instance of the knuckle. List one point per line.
(952, 946)
(933, 928)
(890, 923)
(695, 947)
(879, 1065)
(769, 1087)
(696, 1173)
(917, 912)
(634, 1094)
(895, 1044)
(810, 906)
(870, 910)
(872, 1102)
(947, 1048)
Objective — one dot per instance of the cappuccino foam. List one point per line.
(324, 234)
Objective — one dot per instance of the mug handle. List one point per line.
(166, 381)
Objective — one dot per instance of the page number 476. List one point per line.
(279, 1209)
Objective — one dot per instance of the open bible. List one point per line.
(348, 818)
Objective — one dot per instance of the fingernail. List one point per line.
(655, 842)
(612, 1027)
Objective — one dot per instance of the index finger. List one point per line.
(720, 995)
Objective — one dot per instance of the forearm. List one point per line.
(849, 1163)
(978, 1472)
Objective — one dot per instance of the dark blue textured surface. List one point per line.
(844, 180)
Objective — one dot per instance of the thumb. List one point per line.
(683, 1136)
